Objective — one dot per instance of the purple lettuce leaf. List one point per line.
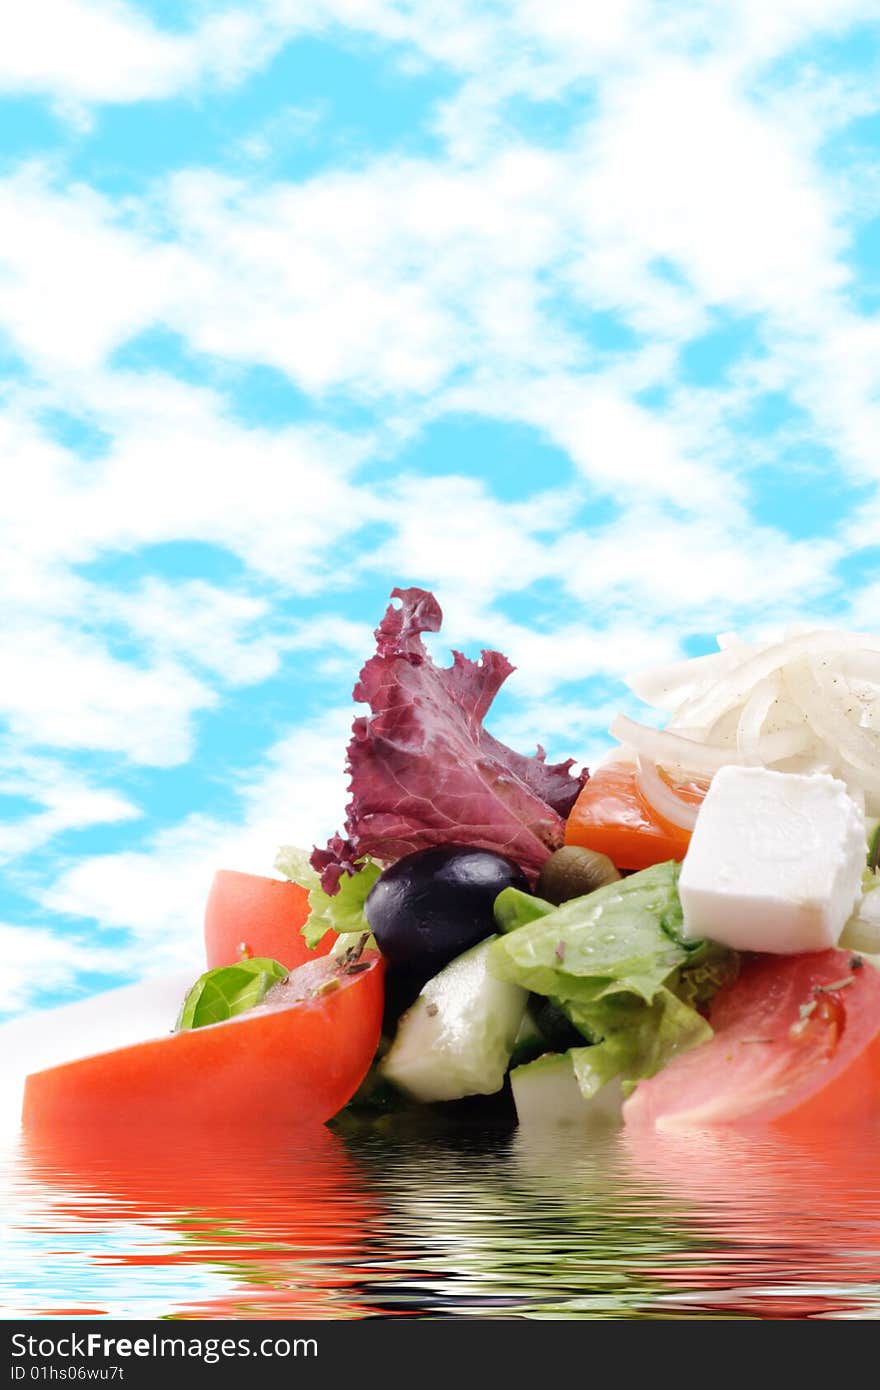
(424, 771)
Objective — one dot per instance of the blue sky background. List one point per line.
(568, 312)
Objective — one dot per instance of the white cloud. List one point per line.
(78, 279)
(215, 628)
(158, 893)
(180, 467)
(625, 586)
(833, 373)
(863, 616)
(628, 451)
(578, 649)
(766, 30)
(37, 961)
(694, 572)
(62, 687)
(450, 531)
(54, 46)
(63, 800)
(682, 164)
(83, 52)
(89, 665)
(373, 280)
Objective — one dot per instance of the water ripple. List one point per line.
(463, 1221)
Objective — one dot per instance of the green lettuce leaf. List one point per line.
(625, 936)
(634, 1039)
(707, 968)
(294, 864)
(342, 913)
(617, 964)
(229, 990)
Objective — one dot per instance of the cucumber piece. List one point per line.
(457, 1037)
(546, 1094)
(862, 931)
(530, 1041)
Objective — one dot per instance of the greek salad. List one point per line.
(687, 936)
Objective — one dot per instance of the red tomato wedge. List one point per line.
(797, 1043)
(293, 1060)
(611, 816)
(248, 915)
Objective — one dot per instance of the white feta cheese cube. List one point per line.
(775, 861)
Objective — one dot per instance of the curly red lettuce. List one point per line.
(423, 769)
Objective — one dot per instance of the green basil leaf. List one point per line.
(229, 990)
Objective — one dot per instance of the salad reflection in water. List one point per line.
(410, 1214)
(683, 939)
(277, 1220)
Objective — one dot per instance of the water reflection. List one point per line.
(465, 1220)
(791, 1223)
(276, 1222)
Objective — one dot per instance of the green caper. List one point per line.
(572, 872)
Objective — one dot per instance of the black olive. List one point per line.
(572, 872)
(435, 903)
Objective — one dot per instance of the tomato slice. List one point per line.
(296, 1059)
(611, 816)
(248, 915)
(797, 1043)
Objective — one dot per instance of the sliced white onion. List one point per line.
(808, 703)
(783, 744)
(707, 708)
(668, 686)
(731, 642)
(825, 711)
(868, 698)
(663, 799)
(846, 704)
(671, 750)
(752, 719)
(861, 665)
